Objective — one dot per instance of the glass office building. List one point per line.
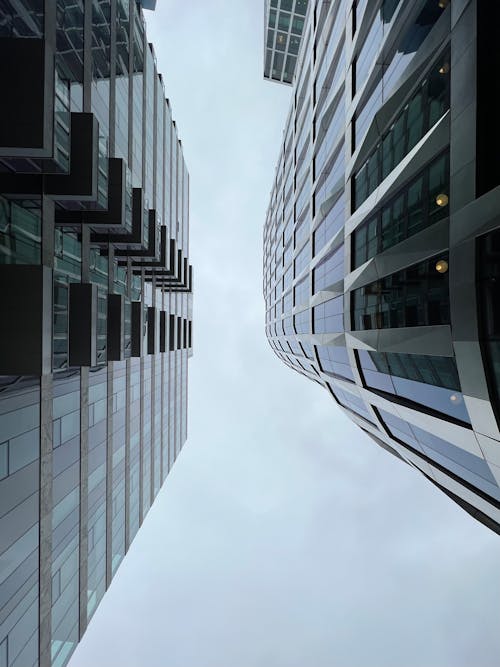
(284, 24)
(382, 237)
(96, 321)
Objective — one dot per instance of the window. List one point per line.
(328, 317)
(330, 225)
(415, 296)
(302, 259)
(416, 206)
(421, 113)
(352, 403)
(330, 270)
(287, 303)
(365, 242)
(469, 467)
(301, 322)
(302, 292)
(335, 361)
(429, 381)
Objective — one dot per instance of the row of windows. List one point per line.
(420, 380)
(335, 361)
(393, 67)
(429, 381)
(352, 403)
(470, 467)
(330, 270)
(415, 296)
(328, 317)
(416, 206)
(424, 109)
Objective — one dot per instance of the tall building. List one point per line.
(284, 24)
(382, 237)
(96, 319)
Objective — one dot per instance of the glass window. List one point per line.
(328, 317)
(330, 270)
(426, 380)
(297, 25)
(473, 469)
(415, 207)
(335, 361)
(4, 459)
(302, 292)
(302, 260)
(415, 121)
(301, 7)
(415, 296)
(301, 322)
(351, 402)
(20, 231)
(393, 223)
(330, 225)
(284, 21)
(422, 112)
(23, 450)
(280, 41)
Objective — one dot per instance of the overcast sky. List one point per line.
(283, 537)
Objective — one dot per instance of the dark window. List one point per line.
(423, 110)
(415, 296)
(416, 206)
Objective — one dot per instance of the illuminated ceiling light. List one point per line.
(445, 68)
(442, 267)
(442, 199)
(443, 3)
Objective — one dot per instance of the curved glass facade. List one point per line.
(380, 258)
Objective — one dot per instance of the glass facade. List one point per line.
(283, 31)
(93, 380)
(415, 296)
(412, 334)
(415, 207)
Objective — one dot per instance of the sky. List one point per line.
(283, 536)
